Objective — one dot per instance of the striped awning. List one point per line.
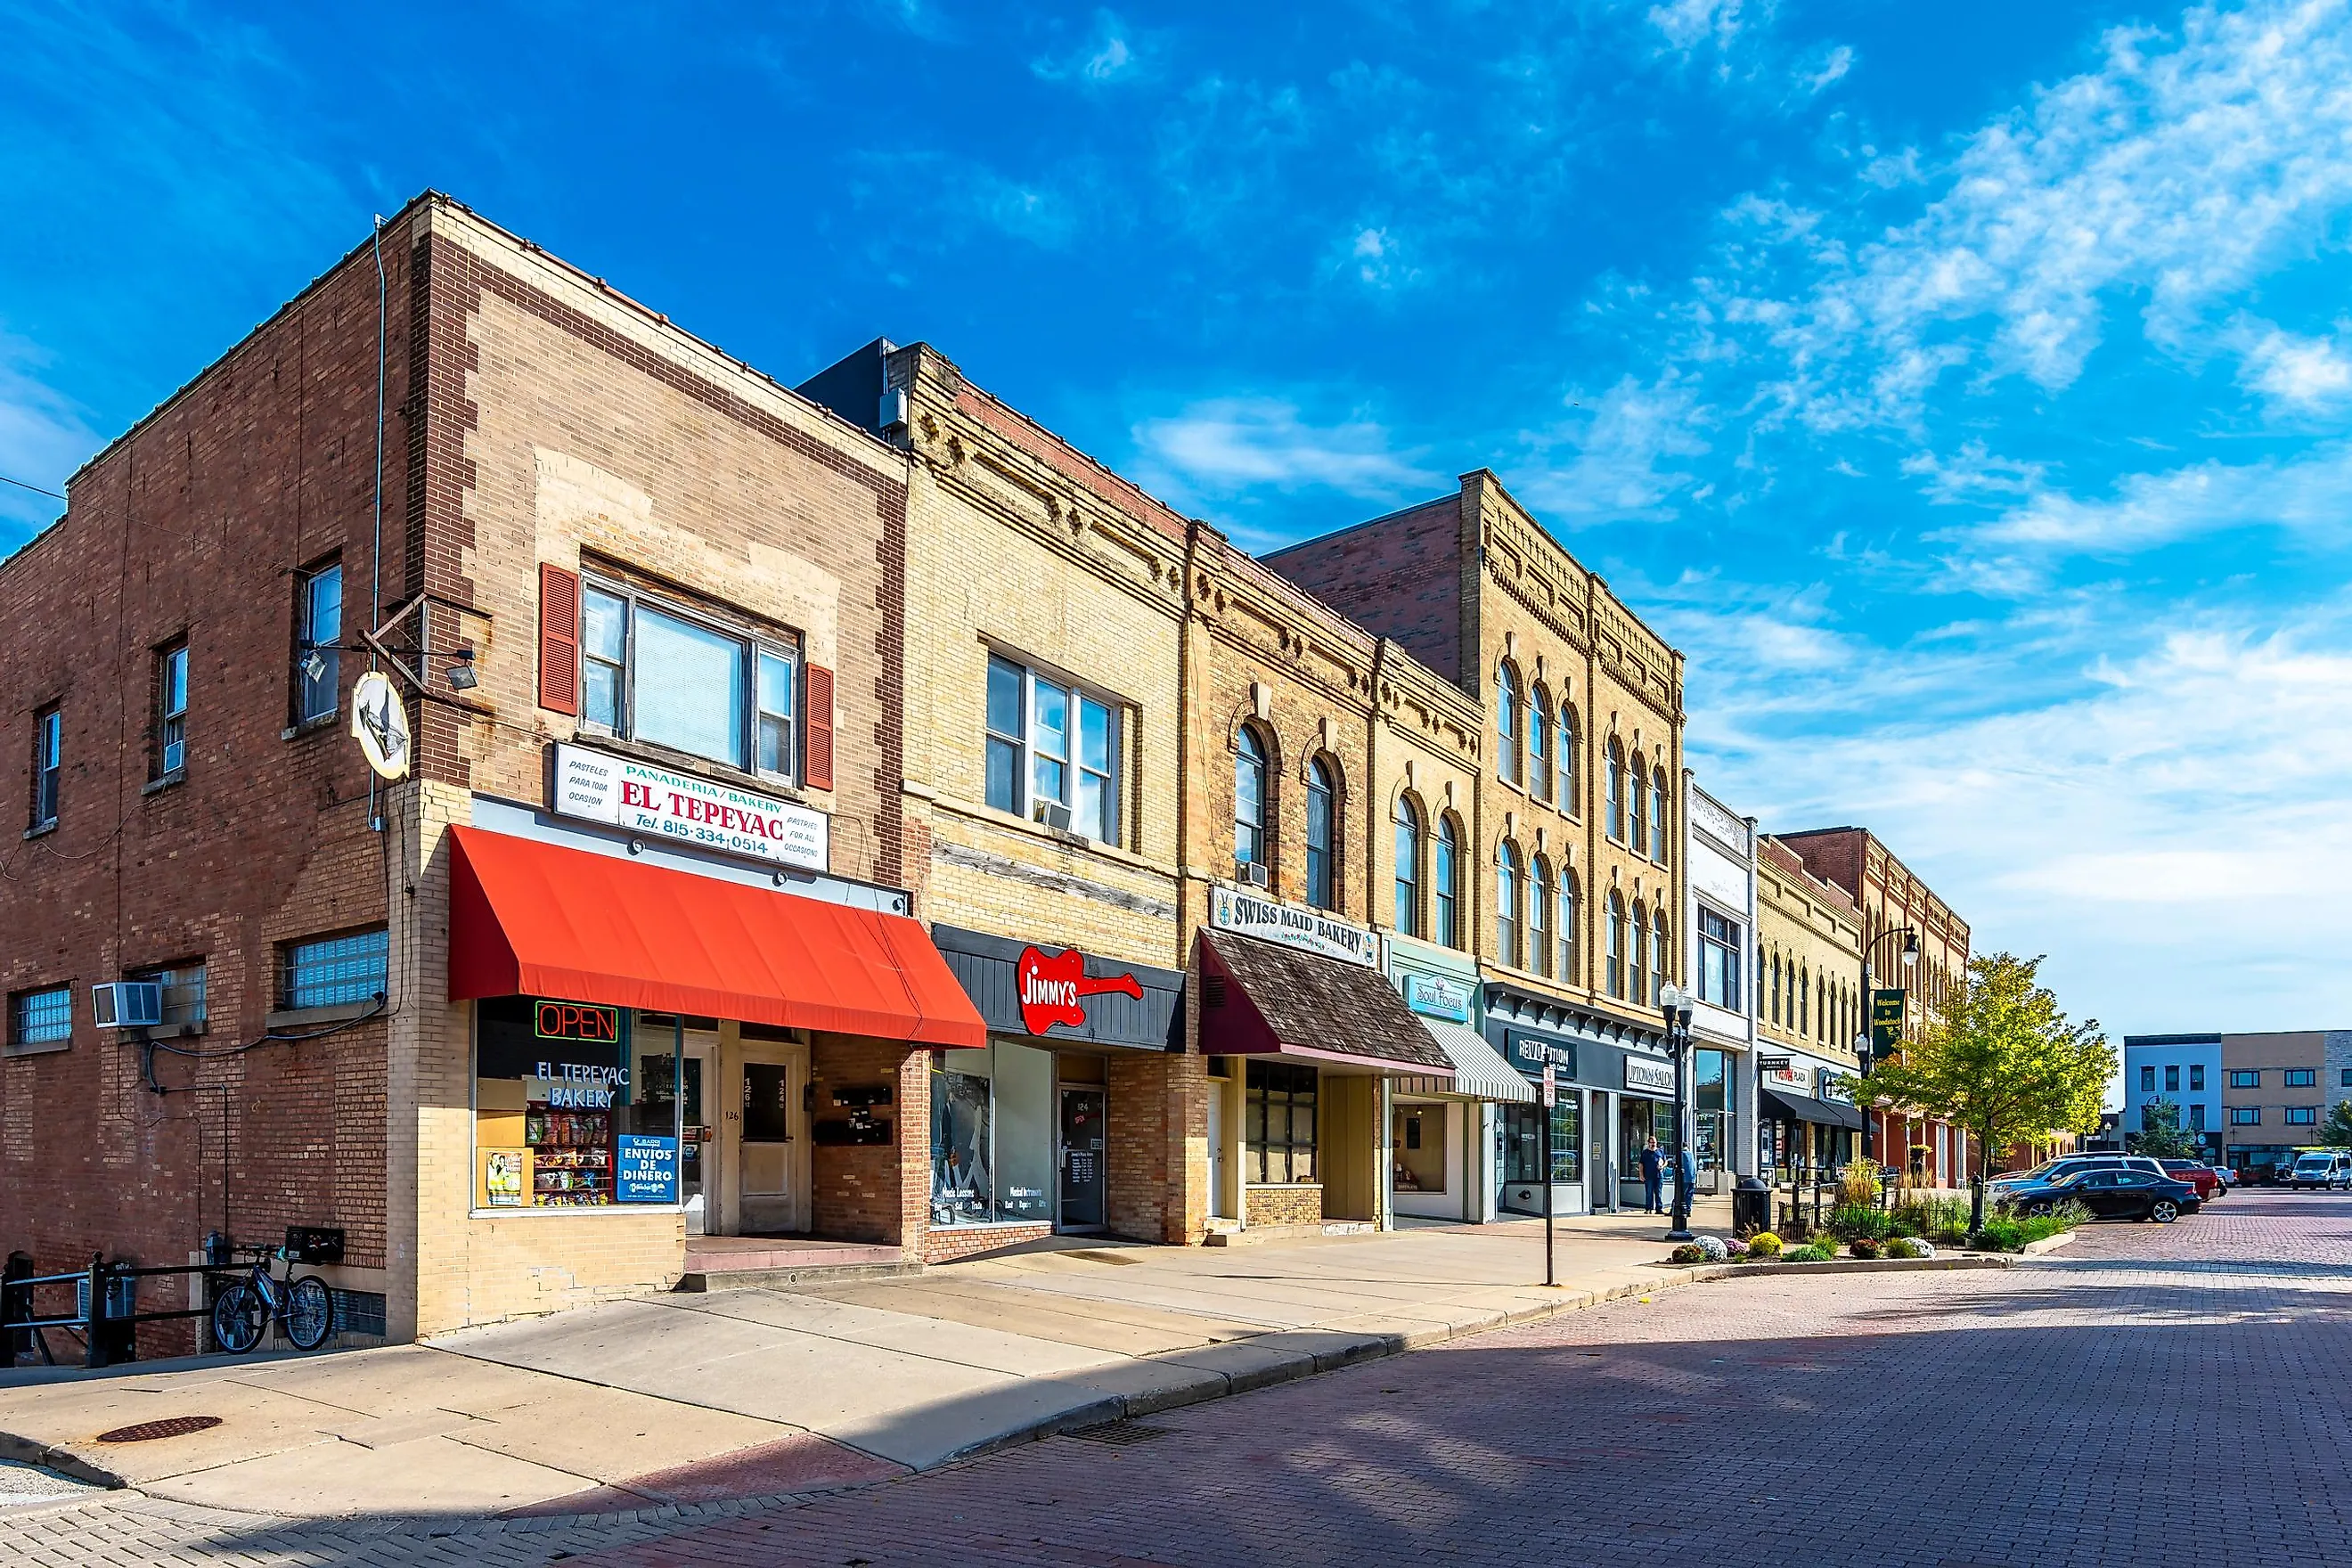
(1479, 1070)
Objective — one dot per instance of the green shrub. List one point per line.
(1763, 1243)
(1848, 1221)
(1812, 1252)
(1938, 1216)
(1901, 1246)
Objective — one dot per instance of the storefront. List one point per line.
(1441, 1133)
(658, 1033)
(1025, 1130)
(1614, 1094)
(1806, 1122)
(1304, 1038)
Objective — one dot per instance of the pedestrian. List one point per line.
(1653, 1176)
(1685, 1180)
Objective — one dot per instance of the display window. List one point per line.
(1422, 1157)
(1520, 1138)
(569, 1112)
(1279, 1108)
(993, 1135)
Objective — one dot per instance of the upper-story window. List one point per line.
(1571, 759)
(1614, 947)
(333, 970)
(2171, 1078)
(41, 1019)
(2197, 1077)
(1539, 915)
(183, 993)
(318, 622)
(658, 672)
(2245, 1077)
(1250, 846)
(1572, 955)
(1507, 725)
(1719, 948)
(1616, 788)
(1804, 1022)
(171, 711)
(1322, 817)
(1408, 868)
(1661, 958)
(1637, 812)
(1540, 744)
(1052, 748)
(1445, 873)
(1660, 797)
(1506, 906)
(49, 766)
(2296, 1078)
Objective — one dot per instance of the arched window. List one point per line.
(1249, 799)
(1571, 967)
(1822, 1010)
(1540, 744)
(1506, 906)
(1321, 864)
(1804, 1006)
(1448, 890)
(1615, 946)
(1639, 964)
(1776, 988)
(1661, 958)
(1616, 787)
(1570, 758)
(1408, 868)
(1660, 797)
(1539, 916)
(1637, 811)
(1507, 725)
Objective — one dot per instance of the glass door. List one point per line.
(767, 1198)
(1083, 1184)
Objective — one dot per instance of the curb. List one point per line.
(2047, 1244)
(1859, 1266)
(64, 1461)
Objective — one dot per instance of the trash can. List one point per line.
(1751, 1206)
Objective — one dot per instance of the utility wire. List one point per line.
(36, 490)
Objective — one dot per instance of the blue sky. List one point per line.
(1962, 387)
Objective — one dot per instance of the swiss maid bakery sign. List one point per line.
(601, 787)
(1231, 909)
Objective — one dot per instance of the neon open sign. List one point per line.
(575, 1021)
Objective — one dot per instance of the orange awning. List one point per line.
(529, 919)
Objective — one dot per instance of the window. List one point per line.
(1539, 916)
(1804, 1001)
(1637, 820)
(2246, 1077)
(1321, 893)
(1540, 744)
(1660, 797)
(49, 766)
(183, 993)
(1639, 963)
(1507, 726)
(993, 1119)
(317, 621)
(1776, 988)
(1249, 799)
(2301, 1115)
(43, 1018)
(1661, 961)
(1280, 1129)
(333, 970)
(1571, 967)
(1614, 947)
(1449, 890)
(1718, 961)
(2347, 1080)
(1506, 906)
(2148, 1081)
(657, 673)
(2171, 1079)
(171, 711)
(1519, 1137)
(2196, 1076)
(1616, 787)
(1031, 768)
(1408, 868)
(2301, 1078)
(2245, 1116)
(1571, 769)
(2197, 1115)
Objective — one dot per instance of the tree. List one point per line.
(2162, 1134)
(2003, 1063)
(2337, 1133)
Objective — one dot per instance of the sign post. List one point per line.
(1550, 1094)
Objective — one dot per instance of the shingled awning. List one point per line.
(1259, 999)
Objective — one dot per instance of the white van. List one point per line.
(2322, 1168)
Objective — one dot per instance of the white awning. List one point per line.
(1479, 1070)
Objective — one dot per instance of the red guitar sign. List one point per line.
(1051, 988)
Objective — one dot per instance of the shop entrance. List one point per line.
(695, 1176)
(1083, 1187)
(771, 1194)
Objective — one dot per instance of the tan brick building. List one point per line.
(1809, 1007)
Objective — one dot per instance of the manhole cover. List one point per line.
(171, 1427)
(1120, 1432)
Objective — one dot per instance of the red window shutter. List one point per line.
(819, 769)
(559, 639)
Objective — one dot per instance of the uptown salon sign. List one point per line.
(598, 786)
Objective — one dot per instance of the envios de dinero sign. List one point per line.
(601, 787)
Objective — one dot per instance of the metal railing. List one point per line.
(105, 1315)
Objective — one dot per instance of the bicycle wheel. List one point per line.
(310, 1313)
(236, 1320)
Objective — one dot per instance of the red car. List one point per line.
(2204, 1178)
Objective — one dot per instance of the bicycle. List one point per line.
(302, 1305)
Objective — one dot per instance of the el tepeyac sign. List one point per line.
(1232, 909)
(598, 786)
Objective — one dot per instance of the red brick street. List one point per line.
(2150, 1395)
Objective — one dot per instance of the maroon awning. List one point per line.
(1259, 999)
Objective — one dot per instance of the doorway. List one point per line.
(1221, 1206)
(1083, 1187)
(696, 1179)
(770, 1161)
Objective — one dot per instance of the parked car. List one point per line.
(2204, 1178)
(2072, 1164)
(2323, 1170)
(2114, 1192)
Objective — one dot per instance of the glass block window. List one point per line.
(335, 971)
(41, 1017)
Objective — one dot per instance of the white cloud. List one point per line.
(1223, 446)
(1373, 256)
(1109, 55)
(2312, 494)
(1688, 24)
(1622, 452)
(1832, 68)
(44, 436)
(2301, 372)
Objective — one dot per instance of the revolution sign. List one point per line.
(601, 787)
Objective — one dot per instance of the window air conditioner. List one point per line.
(1254, 873)
(127, 1004)
(1054, 816)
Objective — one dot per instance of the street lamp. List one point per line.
(1674, 1003)
(1861, 1042)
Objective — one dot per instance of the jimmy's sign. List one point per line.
(1229, 908)
(601, 787)
(1053, 989)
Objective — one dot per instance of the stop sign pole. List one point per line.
(1550, 1093)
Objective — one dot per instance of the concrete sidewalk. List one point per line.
(776, 1391)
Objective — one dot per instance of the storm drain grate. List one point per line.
(1119, 1434)
(171, 1427)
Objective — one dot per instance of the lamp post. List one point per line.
(1861, 1042)
(1675, 1003)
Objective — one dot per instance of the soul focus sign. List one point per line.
(602, 788)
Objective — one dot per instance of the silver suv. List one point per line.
(2067, 1164)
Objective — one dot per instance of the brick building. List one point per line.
(1809, 1007)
